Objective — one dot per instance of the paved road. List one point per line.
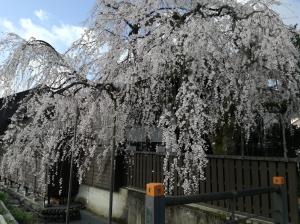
(87, 218)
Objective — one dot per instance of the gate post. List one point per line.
(155, 204)
(280, 205)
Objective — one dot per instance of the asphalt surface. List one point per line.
(89, 218)
(86, 218)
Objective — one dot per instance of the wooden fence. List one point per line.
(227, 173)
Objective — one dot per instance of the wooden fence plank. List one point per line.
(239, 183)
(221, 187)
(149, 169)
(256, 183)
(292, 186)
(231, 180)
(208, 178)
(144, 169)
(272, 172)
(161, 167)
(156, 168)
(176, 190)
(139, 169)
(214, 178)
(247, 184)
(152, 159)
(202, 184)
(134, 170)
(263, 167)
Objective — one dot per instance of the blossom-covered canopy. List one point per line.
(186, 66)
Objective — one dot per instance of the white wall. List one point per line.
(97, 201)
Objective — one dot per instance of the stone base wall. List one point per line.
(97, 201)
(129, 207)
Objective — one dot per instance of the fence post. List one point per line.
(280, 201)
(155, 204)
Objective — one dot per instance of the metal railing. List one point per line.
(226, 174)
(156, 201)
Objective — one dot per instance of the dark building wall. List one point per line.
(8, 106)
(99, 177)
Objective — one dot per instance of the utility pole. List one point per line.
(284, 146)
(112, 165)
(71, 164)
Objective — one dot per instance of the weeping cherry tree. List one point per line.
(187, 67)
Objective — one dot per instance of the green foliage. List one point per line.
(3, 197)
(22, 216)
(2, 212)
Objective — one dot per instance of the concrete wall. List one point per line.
(174, 214)
(129, 207)
(97, 201)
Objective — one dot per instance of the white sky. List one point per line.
(61, 24)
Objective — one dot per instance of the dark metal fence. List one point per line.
(156, 201)
(227, 173)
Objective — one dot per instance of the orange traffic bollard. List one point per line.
(280, 205)
(155, 204)
(155, 189)
(278, 180)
